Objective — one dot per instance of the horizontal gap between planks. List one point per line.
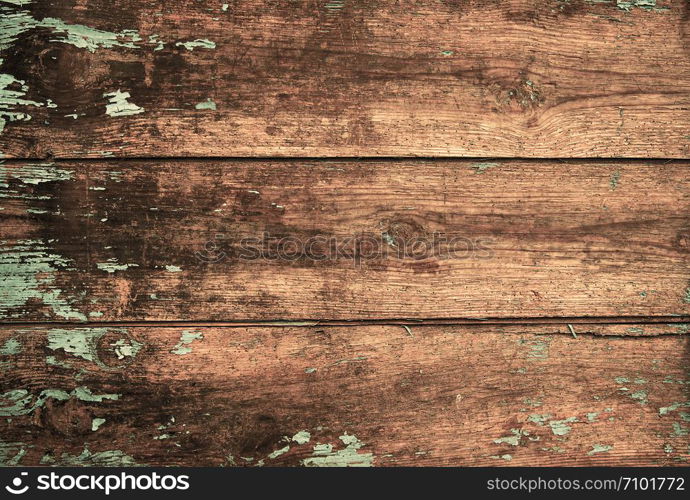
(620, 320)
(344, 159)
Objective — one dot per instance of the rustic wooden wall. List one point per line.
(204, 206)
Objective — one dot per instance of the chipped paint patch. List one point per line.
(80, 342)
(639, 395)
(558, 427)
(686, 297)
(173, 269)
(614, 180)
(561, 427)
(302, 437)
(599, 448)
(207, 104)
(96, 423)
(514, 439)
(665, 410)
(19, 401)
(112, 266)
(11, 454)
(11, 347)
(334, 6)
(83, 342)
(12, 93)
(34, 173)
(200, 43)
(628, 5)
(126, 348)
(27, 273)
(279, 452)
(118, 104)
(539, 419)
(109, 458)
(481, 167)
(324, 455)
(187, 337)
(17, 22)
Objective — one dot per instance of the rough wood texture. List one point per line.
(553, 78)
(373, 395)
(162, 240)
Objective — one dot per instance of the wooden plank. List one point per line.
(555, 78)
(371, 395)
(343, 240)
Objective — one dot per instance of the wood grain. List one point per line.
(555, 78)
(372, 395)
(324, 240)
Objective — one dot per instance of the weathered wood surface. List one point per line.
(552, 78)
(372, 395)
(158, 240)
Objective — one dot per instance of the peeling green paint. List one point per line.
(599, 448)
(118, 104)
(126, 348)
(173, 269)
(539, 419)
(198, 43)
(679, 430)
(628, 5)
(109, 458)
(592, 416)
(11, 347)
(561, 427)
(12, 92)
(514, 439)
(186, 339)
(302, 437)
(279, 452)
(11, 453)
(18, 401)
(334, 6)
(83, 342)
(111, 267)
(96, 423)
(34, 173)
(614, 180)
(27, 273)
(325, 456)
(15, 23)
(686, 297)
(481, 167)
(207, 104)
(159, 44)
